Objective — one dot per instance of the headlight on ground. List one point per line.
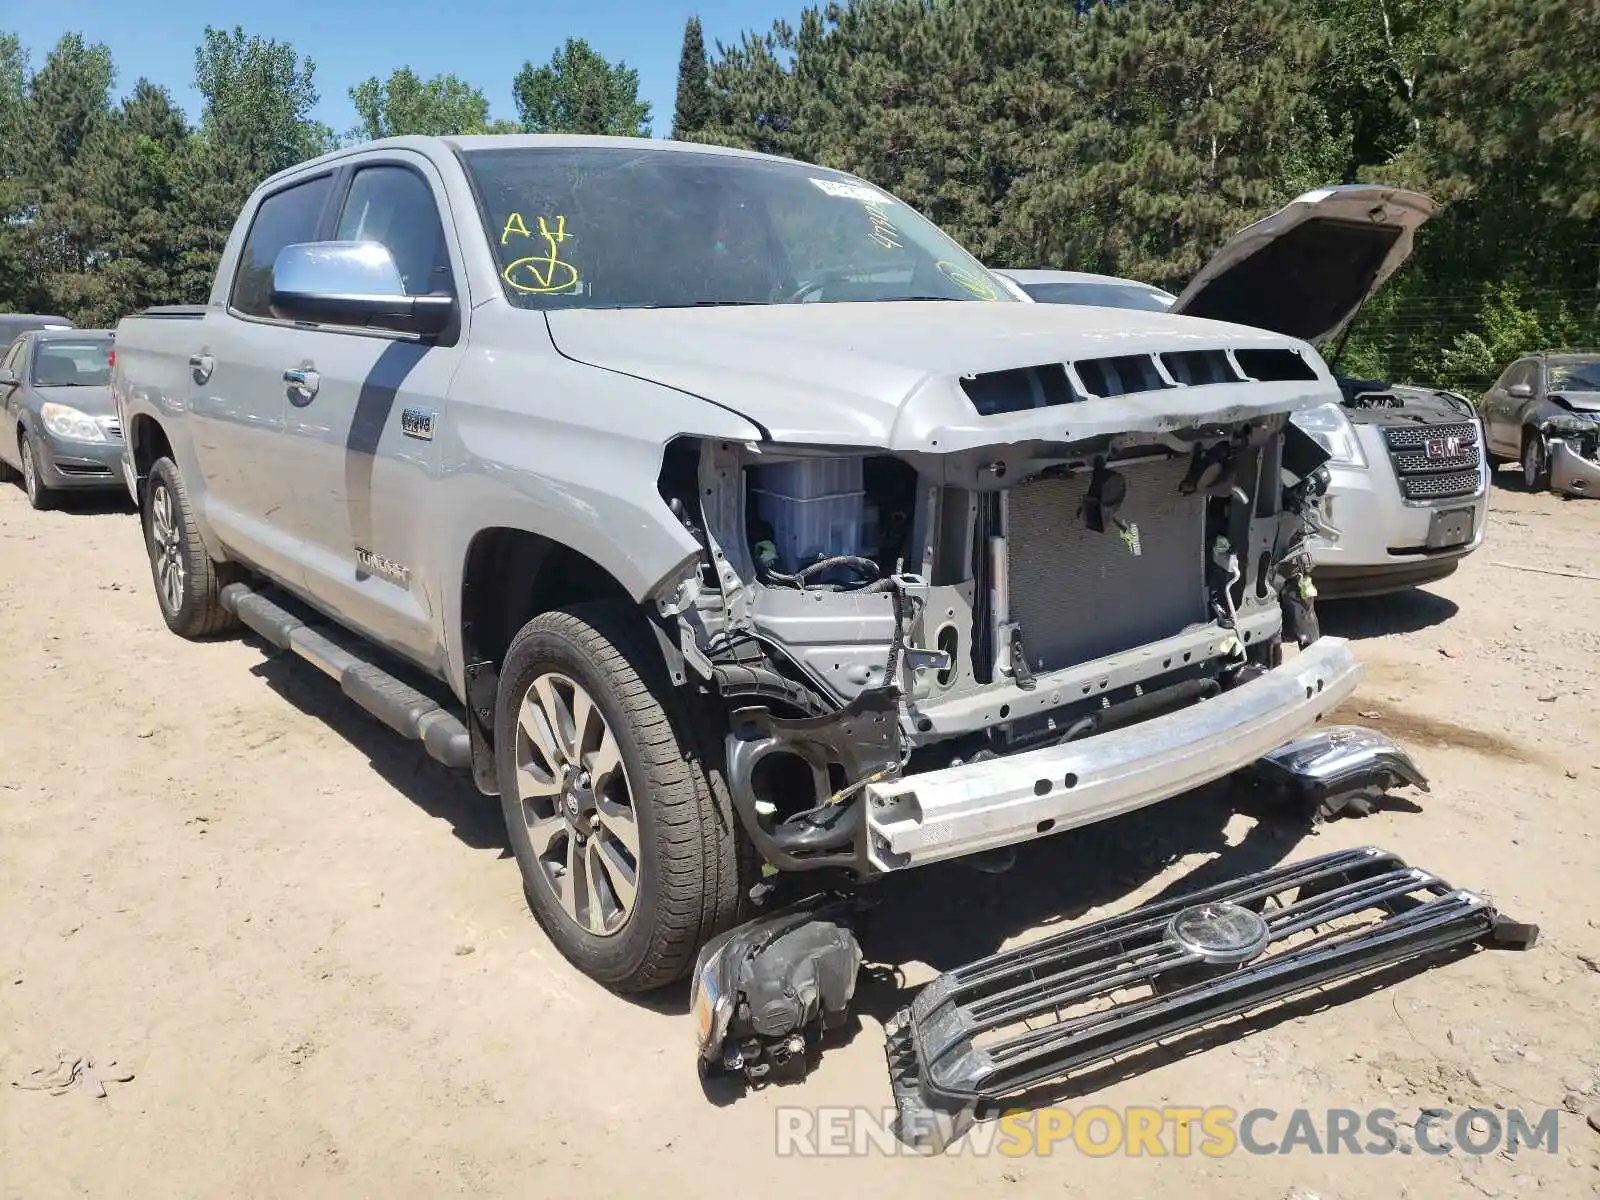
(1332, 430)
(709, 999)
(67, 422)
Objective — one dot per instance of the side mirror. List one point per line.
(352, 283)
(8, 377)
(1520, 391)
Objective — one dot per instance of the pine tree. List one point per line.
(692, 112)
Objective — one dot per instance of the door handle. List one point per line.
(302, 381)
(202, 365)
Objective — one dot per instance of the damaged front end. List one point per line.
(1058, 593)
(1574, 443)
(979, 1038)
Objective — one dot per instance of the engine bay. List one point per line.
(871, 616)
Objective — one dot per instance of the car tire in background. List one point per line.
(40, 496)
(1535, 461)
(627, 848)
(188, 583)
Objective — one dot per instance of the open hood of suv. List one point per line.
(1306, 270)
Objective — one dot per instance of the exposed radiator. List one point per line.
(1081, 595)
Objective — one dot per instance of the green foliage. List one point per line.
(579, 91)
(1126, 136)
(406, 104)
(259, 96)
(692, 112)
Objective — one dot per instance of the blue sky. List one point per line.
(484, 43)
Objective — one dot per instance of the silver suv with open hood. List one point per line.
(1409, 492)
(702, 503)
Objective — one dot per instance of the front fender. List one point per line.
(581, 470)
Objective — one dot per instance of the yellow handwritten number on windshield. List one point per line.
(541, 274)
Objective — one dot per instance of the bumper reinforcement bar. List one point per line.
(1030, 1016)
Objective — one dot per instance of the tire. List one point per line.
(39, 495)
(187, 581)
(1535, 461)
(638, 756)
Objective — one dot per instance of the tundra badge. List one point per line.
(377, 564)
(417, 423)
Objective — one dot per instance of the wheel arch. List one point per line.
(509, 576)
(149, 442)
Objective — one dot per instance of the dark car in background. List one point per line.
(58, 423)
(14, 325)
(1544, 413)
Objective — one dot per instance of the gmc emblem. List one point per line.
(1444, 447)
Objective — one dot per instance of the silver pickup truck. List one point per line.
(725, 518)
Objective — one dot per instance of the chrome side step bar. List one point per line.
(1032, 1015)
(393, 701)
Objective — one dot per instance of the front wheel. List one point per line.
(39, 495)
(1535, 461)
(188, 583)
(628, 857)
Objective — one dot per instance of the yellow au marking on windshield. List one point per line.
(541, 274)
(514, 225)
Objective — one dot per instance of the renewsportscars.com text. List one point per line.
(1181, 1131)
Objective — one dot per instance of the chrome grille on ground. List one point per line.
(1435, 462)
(1079, 595)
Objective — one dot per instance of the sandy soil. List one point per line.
(310, 945)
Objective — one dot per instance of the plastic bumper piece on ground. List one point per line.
(982, 1036)
(979, 806)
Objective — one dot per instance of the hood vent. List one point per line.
(1019, 389)
(1274, 366)
(1121, 376)
(1196, 367)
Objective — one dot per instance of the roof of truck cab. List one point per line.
(532, 141)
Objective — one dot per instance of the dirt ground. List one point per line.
(310, 947)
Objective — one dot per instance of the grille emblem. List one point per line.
(1444, 447)
(1219, 932)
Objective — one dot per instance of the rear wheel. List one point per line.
(33, 483)
(627, 852)
(1535, 461)
(188, 582)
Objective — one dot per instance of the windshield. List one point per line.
(588, 227)
(72, 364)
(1574, 377)
(1100, 295)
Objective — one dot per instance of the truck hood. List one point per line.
(1307, 269)
(889, 375)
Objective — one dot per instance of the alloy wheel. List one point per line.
(30, 471)
(165, 549)
(578, 804)
(1533, 456)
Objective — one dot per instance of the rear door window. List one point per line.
(283, 219)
